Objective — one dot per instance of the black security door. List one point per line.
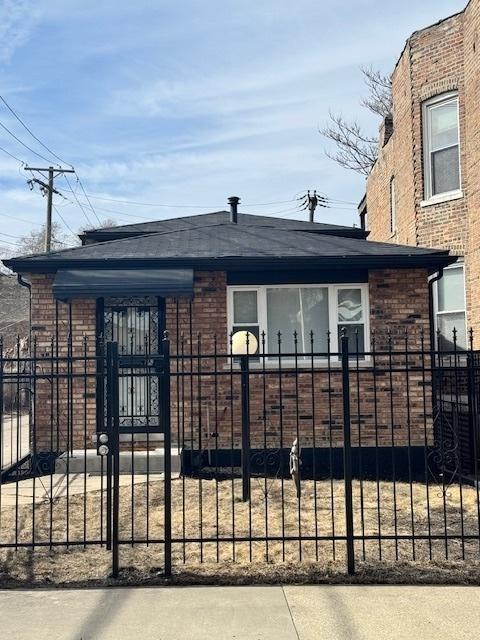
(136, 324)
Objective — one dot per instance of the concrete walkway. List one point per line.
(243, 613)
(14, 439)
(56, 486)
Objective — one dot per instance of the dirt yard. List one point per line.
(212, 512)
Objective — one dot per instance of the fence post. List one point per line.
(114, 438)
(244, 366)
(347, 454)
(473, 407)
(167, 443)
(104, 422)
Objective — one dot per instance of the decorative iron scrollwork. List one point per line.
(270, 461)
(133, 323)
(444, 457)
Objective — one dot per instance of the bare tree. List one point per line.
(34, 241)
(355, 149)
(105, 224)
(379, 98)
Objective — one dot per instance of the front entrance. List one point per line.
(136, 324)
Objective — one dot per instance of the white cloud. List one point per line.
(18, 18)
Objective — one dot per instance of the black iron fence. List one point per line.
(204, 455)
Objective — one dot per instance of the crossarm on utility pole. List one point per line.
(49, 189)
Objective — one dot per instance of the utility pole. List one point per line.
(311, 202)
(48, 190)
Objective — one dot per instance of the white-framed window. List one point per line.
(393, 206)
(304, 308)
(449, 304)
(441, 146)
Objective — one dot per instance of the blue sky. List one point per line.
(189, 102)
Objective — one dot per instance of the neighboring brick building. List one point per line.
(205, 277)
(424, 188)
(14, 310)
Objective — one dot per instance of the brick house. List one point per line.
(424, 188)
(206, 277)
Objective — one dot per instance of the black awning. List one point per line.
(87, 283)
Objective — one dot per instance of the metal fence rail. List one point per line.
(206, 456)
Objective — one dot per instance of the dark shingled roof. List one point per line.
(240, 246)
(215, 218)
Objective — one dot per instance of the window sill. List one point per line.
(444, 197)
(288, 365)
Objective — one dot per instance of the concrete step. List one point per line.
(80, 460)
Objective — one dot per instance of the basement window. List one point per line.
(441, 146)
(315, 312)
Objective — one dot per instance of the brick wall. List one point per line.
(206, 409)
(385, 408)
(441, 58)
(64, 406)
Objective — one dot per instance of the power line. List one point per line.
(191, 206)
(23, 143)
(13, 244)
(9, 235)
(130, 215)
(28, 129)
(6, 215)
(119, 214)
(65, 223)
(283, 211)
(152, 204)
(32, 134)
(267, 204)
(342, 201)
(12, 156)
(77, 200)
(88, 199)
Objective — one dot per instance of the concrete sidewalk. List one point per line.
(243, 613)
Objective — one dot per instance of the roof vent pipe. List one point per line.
(233, 201)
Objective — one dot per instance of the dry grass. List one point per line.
(209, 510)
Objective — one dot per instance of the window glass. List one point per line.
(284, 315)
(451, 290)
(354, 333)
(350, 305)
(447, 322)
(451, 309)
(315, 318)
(304, 310)
(445, 170)
(245, 306)
(444, 125)
(441, 147)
